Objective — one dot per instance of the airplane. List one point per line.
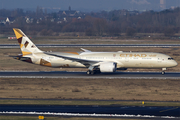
(96, 62)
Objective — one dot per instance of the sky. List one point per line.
(88, 5)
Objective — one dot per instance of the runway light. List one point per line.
(41, 117)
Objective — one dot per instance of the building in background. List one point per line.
(163, 4)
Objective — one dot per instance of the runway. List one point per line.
(65, 74)
(92, 111)
(93, 45)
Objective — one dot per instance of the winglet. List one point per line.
(85, 50)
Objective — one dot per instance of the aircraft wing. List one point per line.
(85, 62)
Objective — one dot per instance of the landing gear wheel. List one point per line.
(163, 72)
(88, 72)
(92, 72)
(98, 71)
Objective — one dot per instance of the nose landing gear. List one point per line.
(163, 71)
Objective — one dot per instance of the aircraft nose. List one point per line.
(174, 63)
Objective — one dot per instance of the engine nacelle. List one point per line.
(108, 67)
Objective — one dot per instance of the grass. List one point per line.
(92, 40)
(87, 89)
(88, 102)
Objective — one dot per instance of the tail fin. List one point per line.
(26, 45)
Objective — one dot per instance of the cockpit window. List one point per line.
(170, 59)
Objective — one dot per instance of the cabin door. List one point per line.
(159, 59)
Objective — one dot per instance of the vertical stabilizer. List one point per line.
(26, 45)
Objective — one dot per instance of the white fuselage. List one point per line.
(123, 59)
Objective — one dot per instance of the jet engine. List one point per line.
(108, 67)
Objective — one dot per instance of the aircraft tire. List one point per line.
(92, 72)
(88, 72)
(98, 71)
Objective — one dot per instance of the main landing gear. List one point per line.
(92, 72)
(163, 71)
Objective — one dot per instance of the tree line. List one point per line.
(104, 23)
